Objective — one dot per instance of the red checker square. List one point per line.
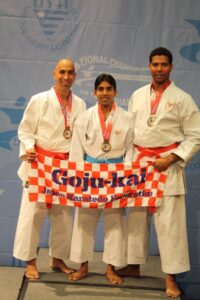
(95, 174)
(78, 190)
(63, 201)
(56, 163)
(128, 173)
(41, 189)
(48, 199)
(48, 183)
(77, 204)
(123, 202)
(119, 167)
(62, 188)
(149, 176)
(152, 201)
(34, 165)
(138, 201)
(71, 165)
(33, 180)
(127, 189)
(135, 165)
(94, 191)
(141, 186)
(159, 194)
(79, 173)
(162, 178)
(33, 197)
(41, 173)
(154, 184)
(47, 168)
(41, 158)
(103, 167)
(110, 190)
(108, 205)
(93, 205)
(87, 167)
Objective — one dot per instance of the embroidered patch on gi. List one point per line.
(170, 106)
(118, 131)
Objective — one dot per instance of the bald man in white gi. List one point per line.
(167, 130)
(46, 128)
(103, 134)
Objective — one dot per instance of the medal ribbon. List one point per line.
(66, 112)
(156, 100)
(106, 130)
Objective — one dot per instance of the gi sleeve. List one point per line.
(28, 126)
(190, 125)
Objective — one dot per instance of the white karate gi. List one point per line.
(177, 121)
(43, 124)
(87, 139)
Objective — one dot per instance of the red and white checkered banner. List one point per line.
(92, 185)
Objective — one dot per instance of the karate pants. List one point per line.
(85, 223)
(170, 225)
(31, 218)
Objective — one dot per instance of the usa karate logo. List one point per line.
(192, 52)
(11, 116)
(48, 24)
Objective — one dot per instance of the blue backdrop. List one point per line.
(112, 36)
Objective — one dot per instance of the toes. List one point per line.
(77, 275)
(74, 276)
(69, 271)
(114, 279)
(31, 275)
(62, 267)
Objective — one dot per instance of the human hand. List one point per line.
(31, 155)
(161, 164)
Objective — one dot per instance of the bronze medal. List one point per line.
(106, 146)
(151, 120)
(67, 133)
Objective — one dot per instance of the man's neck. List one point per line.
(63, 94)
(106, 109)
(158, 87)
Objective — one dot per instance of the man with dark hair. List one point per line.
(103, 134)
(167, 131)
(161, 51)
(46, 128)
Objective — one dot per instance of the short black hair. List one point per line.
(161, 51)
(105, 77)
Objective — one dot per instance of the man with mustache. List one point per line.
(46, 128)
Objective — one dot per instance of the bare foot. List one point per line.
(59, 265)
(129, 271)
(112, 276)
(81, 273)
(31, 269)
(172, 288)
